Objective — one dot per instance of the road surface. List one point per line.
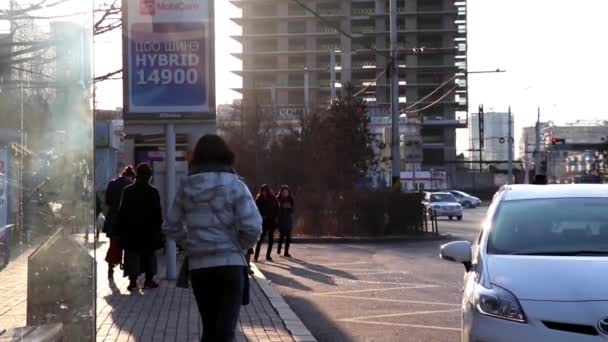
(376, 291)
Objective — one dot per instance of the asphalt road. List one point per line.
(376, 291)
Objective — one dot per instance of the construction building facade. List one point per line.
(287, 62)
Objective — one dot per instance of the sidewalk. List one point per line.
(163, 314)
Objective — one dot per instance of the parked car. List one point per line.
(536, 272)
(442, 204)
(466, 200)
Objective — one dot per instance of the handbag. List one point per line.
(183, 278)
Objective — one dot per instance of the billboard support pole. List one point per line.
(170, 182)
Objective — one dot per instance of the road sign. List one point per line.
(168, 59)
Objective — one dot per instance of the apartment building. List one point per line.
(287, 58)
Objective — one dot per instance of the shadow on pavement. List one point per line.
(284, 281)
(323, 269)
(302, 272)
(320, 325)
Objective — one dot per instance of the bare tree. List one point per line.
(108, 18)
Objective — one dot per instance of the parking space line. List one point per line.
(388, 300)
(405, 325)
(401, 314)
(347, 263)
(381, 272)
(371, 282)
(413, 286)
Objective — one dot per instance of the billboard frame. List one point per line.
(129, 116)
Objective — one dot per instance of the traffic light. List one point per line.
(555, 141)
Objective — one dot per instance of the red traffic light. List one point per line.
(554, 141)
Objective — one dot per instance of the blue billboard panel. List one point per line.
(169, 62)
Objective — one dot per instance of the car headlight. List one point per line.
(498, 302)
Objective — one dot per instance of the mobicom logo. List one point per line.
(147, 7)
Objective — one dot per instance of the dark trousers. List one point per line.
(270, 232)
(219, 296)
(284, 236)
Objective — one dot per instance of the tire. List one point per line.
(450, 217)
(459, 218)
(468, 205)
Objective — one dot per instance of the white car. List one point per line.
(466, 200)
(440, 204)
(539, 268)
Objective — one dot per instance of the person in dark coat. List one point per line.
(113, 196)
(267, 205)
(285, 218)
(140, 228)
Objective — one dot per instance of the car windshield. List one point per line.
(458, 194)
(443, 198)
(573, 226)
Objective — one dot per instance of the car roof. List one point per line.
(440, 193)
(524, 192)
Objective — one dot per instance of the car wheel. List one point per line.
(450, 217)
(5, 259)
(459, 218)
(467, 205)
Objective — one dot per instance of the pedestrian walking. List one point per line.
(269, 209)
(215, 218)
(113, 197)
(139, 228)
(286, 208)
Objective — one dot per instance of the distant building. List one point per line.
(287, 62)
(579, 153)
(495, 139)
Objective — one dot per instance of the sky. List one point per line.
(554, 53)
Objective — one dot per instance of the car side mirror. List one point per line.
(458, 251)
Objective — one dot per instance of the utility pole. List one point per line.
(306, 92)
(332, 73)
(510, 150)
(394, 69)
(170, 185)
(481, 124)
(537, 160)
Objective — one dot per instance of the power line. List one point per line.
(371, 83)
(430, 94)
(338, 28)
(434, 102)
(387, 57)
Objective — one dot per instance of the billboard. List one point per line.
(168, 59)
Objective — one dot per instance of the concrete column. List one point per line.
(282, 78)
(382, 94)
(346, 46)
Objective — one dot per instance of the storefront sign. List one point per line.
(169, 59)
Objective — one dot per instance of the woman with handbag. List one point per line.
(215, 218)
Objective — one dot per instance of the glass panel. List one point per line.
(47, 244)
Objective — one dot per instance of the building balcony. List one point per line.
(357, 51)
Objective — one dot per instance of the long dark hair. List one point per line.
(213, 149)
(289, 195)
(264, 193)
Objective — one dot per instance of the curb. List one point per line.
(405, 238)
(292, 322)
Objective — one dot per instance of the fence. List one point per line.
(361, 214)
